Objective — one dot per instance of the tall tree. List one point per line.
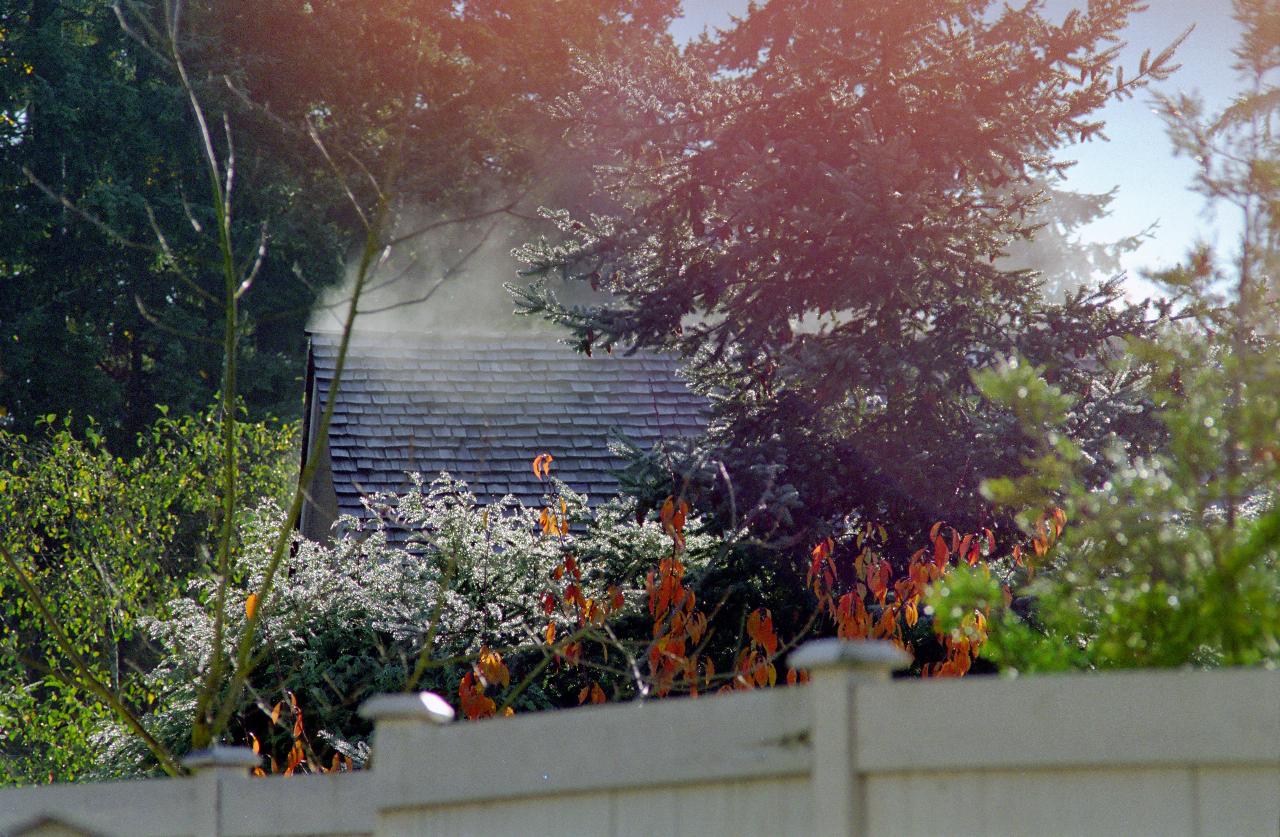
(811, 209)
(97, 154)
(98, 320)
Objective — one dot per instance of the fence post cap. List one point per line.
(422, 706)
(853, 655)
(220, 755)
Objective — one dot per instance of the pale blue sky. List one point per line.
(1153, 185)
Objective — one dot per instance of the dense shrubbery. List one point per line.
(353, 618)
(107, 540)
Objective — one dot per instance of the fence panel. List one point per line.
(852, 754)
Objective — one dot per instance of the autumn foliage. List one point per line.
(598, 608)
(856, 592)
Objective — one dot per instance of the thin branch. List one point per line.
(337, 173)
(448, 274)
(424, 655)
(85, 676)
(172, 260)
(257, 262)
(157, 323)
(547, 658)
(505, 209)
(102, 226)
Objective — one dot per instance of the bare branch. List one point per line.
(342, 180)
(168, 329)
(505, 209)
(102, 226)
(257, 262)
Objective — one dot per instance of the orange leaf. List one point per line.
(550, 633)
(275, 712)
(254, 743)
(1060, 517)
(940, 553)
(697, 627)
(492, 668)
(542, 465)
(251, 605)
(753, 626)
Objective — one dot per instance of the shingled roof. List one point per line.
(481, 408)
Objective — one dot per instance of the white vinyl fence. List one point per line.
(852, 753)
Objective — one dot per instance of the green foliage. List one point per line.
(816, 222)
(107, 540)
(99, 320)
(104, 319)
(1176, 559)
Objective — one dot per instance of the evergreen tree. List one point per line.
(811, 209)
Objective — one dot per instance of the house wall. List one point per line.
(853, 753)
(320, 508)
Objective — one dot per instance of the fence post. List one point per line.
(837, 668)
(398, 720)
(213, 769)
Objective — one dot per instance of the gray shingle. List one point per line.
(482, 408)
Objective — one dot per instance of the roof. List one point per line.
(482, 408)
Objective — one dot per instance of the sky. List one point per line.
(1153, 185)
